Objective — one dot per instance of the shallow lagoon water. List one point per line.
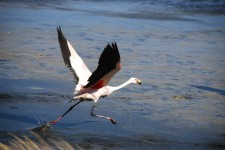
(177, 49)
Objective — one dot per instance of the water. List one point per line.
(176, 48)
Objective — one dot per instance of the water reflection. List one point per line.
(211, 89)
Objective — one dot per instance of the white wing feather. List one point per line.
(79, 66)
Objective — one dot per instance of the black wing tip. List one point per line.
(61, 36)
(112, 46)
(107, 61)
(58, 29)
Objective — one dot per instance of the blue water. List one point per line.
(176, 48)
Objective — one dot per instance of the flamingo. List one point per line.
(92, 86)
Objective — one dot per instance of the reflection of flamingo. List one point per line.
(92, 86)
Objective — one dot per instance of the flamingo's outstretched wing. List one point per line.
(108, 66)
(72, 60)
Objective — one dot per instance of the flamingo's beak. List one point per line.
(139, 81)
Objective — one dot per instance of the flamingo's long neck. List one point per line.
(121, 86)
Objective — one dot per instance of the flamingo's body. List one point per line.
(93, 86)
